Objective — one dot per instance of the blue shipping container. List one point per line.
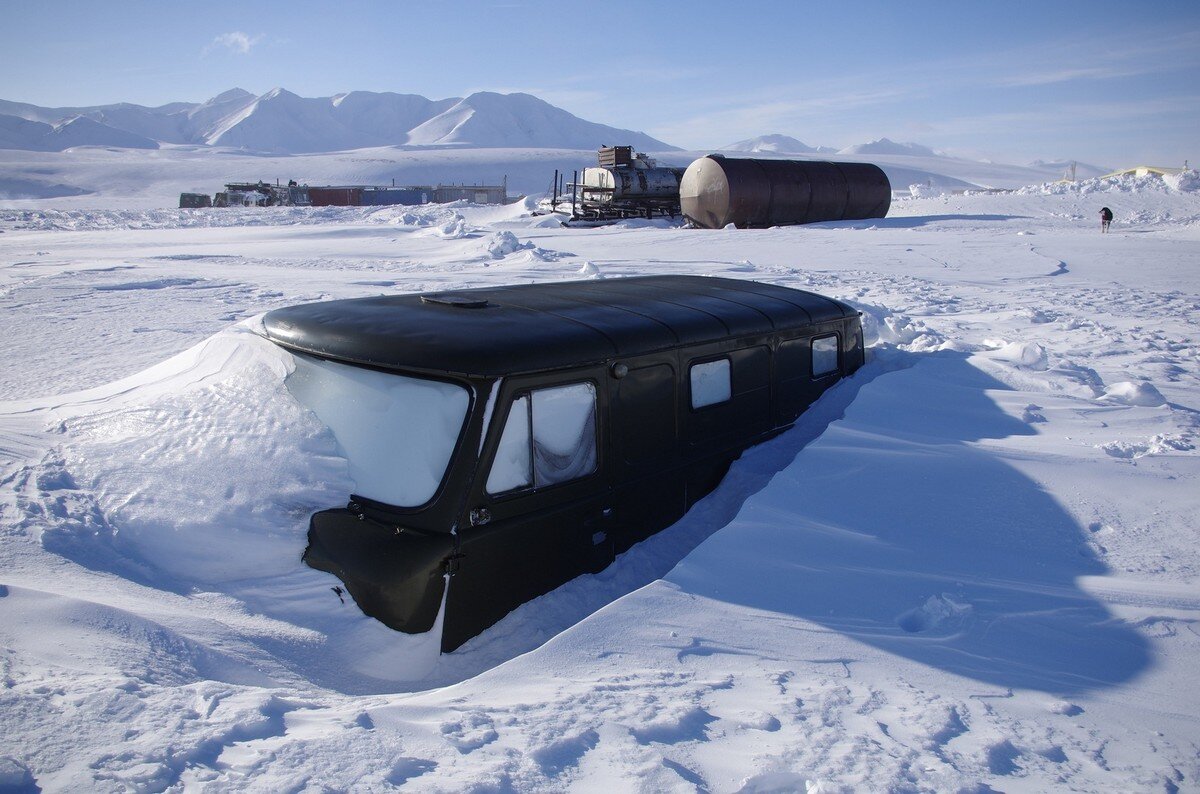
(386, 196)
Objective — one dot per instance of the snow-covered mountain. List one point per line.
(21, 133)
(83, 131)
(776, 144)
(516, 120)
(282, 122)
(886, 146)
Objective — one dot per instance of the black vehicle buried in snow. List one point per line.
(505, 440)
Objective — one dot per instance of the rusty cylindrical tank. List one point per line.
(716, 191)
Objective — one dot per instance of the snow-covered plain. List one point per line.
(139, 181)
(971, 566)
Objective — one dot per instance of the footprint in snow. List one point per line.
(938, 612)
(565, 753)
(1032, 414)
(473, 731)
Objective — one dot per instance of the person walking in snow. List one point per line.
(1105, 219)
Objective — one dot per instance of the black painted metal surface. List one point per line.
(716, 191)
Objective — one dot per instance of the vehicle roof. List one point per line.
(496, 331)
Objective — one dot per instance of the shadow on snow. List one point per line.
(898, 530)
(912, 221)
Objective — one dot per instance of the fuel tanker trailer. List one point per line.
(716, 191)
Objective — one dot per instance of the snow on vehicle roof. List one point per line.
(496, 331)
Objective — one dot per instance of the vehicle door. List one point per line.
(537, 505)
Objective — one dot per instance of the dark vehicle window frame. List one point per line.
(691, 394)
(502, 423)
(812, 358)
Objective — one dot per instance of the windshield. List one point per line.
(397, 432)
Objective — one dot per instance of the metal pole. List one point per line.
(574, 190)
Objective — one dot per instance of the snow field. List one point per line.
(971, 565)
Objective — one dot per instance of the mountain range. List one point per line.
(281, 122)
(782, 144)
(286, 123)
(776, 144)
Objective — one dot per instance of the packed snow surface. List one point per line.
(971, 566)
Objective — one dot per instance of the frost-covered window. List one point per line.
(710, 383)
(564, 433)
(511, 469)
(396, 432)
(824, 355)
(548, 438)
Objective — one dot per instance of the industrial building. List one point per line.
(264, 194)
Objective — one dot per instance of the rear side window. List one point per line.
(824, 355)
(549, 438)
(710, 383)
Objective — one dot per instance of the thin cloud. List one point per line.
(1164, 54)
(792, 116)
(1071, 117)
(236, 42)
(1066, 75)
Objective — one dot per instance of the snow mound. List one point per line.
(1027, 355)
(928, 190)
(1158, 444)
(938, 612)
(1185, 181)
(503, 243)
(881, 324)
(1140, 393)
(171, 525)
(456, 228)
(545, 222)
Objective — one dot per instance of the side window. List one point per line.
(511, 469)
(710, 383)
(824, 355)
(549, 438)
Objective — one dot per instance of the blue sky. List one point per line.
(1111, 83)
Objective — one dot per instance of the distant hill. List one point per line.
(776, 144)
(20, 133)
(886, 146)
(286, 123)
(1058, 168)
(82, 131)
